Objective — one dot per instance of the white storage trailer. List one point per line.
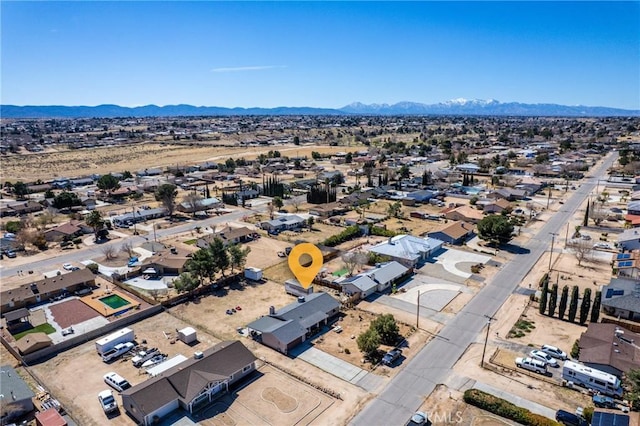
(109, 342)
(253, 274)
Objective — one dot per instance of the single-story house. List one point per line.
(50, 417)
(629, 239)
(200, 205)
(453, 233)
(609, 348)
(407, 249)
(33, 342)
(283, 223)
(633, 207)
(468, 168)
(509, 194)
(291, 325)
(191, 384)
(66, 231)
(140, 215)
(166, 264)
(493, 206)
(45, 289)
(16, 397)
(24, 207)
(422, 196)
(464, 213)
(228, 236)
(328, 210)
(380, 278)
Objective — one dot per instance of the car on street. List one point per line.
(107, 401)
(392, 356)
(555, 352)
(419, 418)
(69, 267)
(541, 356)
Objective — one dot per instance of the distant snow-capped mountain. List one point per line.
(459, 106)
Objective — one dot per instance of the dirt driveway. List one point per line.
(272, 398)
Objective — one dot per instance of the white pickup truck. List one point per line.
(119, 350)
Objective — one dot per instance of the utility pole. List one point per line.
(566, 237)
(549, 198)
(418, 311)
(486, 338)
(154, 233)
(553, 237)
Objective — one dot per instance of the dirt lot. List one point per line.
(49, 165)
(353, 323)
(254, 299)
(272, 398)
(75, 376)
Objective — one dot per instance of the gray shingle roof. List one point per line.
(12, 384)
(628, 302)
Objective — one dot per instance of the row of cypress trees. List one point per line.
(587, 309)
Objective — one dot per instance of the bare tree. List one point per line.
(193, 200)
(270, 209)
(45, 218)
(109, 252)
(581, 249)
(295, 202)
(598, 215)
(127, 247)
(353, 260)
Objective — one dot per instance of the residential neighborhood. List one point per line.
(460, 257)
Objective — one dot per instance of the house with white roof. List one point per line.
(380, 278)
(407, 249)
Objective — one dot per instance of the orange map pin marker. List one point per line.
(303, 271)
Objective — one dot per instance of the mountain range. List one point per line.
(489, 107)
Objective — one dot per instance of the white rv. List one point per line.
(591, 378)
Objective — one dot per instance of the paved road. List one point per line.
(406, 392)
(96, 250)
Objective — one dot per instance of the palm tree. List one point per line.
(95, 221)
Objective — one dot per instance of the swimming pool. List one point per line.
(114, 301)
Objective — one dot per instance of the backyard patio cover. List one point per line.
(17, 314)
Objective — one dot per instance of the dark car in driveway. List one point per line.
(392, 356)
(570, 419)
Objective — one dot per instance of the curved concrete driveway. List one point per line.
(450, 258)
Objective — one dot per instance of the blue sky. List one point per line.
(321, 54)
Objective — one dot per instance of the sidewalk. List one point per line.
(514, 399)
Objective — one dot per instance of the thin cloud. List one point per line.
(253, 68)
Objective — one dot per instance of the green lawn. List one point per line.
(191, 242)
(341, 272)
(44, 328)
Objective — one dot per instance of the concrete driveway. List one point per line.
(450, 259)
(335, 366)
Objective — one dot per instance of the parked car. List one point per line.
(555, 352)
(602, 246)
(532, 365)
(391, 356)
(603, 401)
(541, 356)
(419, 418)
(67, 266)
(107, 401)
(116, 381)
(569, 419)
(10, 254)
